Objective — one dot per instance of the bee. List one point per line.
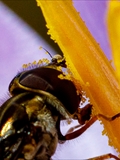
(30, 118)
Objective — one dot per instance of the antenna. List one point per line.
(47, 52)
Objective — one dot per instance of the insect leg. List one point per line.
(83, 114)
(77, 133)
(73, 128)
(105, 156)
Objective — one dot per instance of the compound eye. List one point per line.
(58, 60)
(56, 57)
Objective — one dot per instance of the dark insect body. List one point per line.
(30, 119)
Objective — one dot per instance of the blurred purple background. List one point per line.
(19, 44)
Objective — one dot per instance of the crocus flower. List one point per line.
(86, 60)
(20, 44)
(113, 22)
